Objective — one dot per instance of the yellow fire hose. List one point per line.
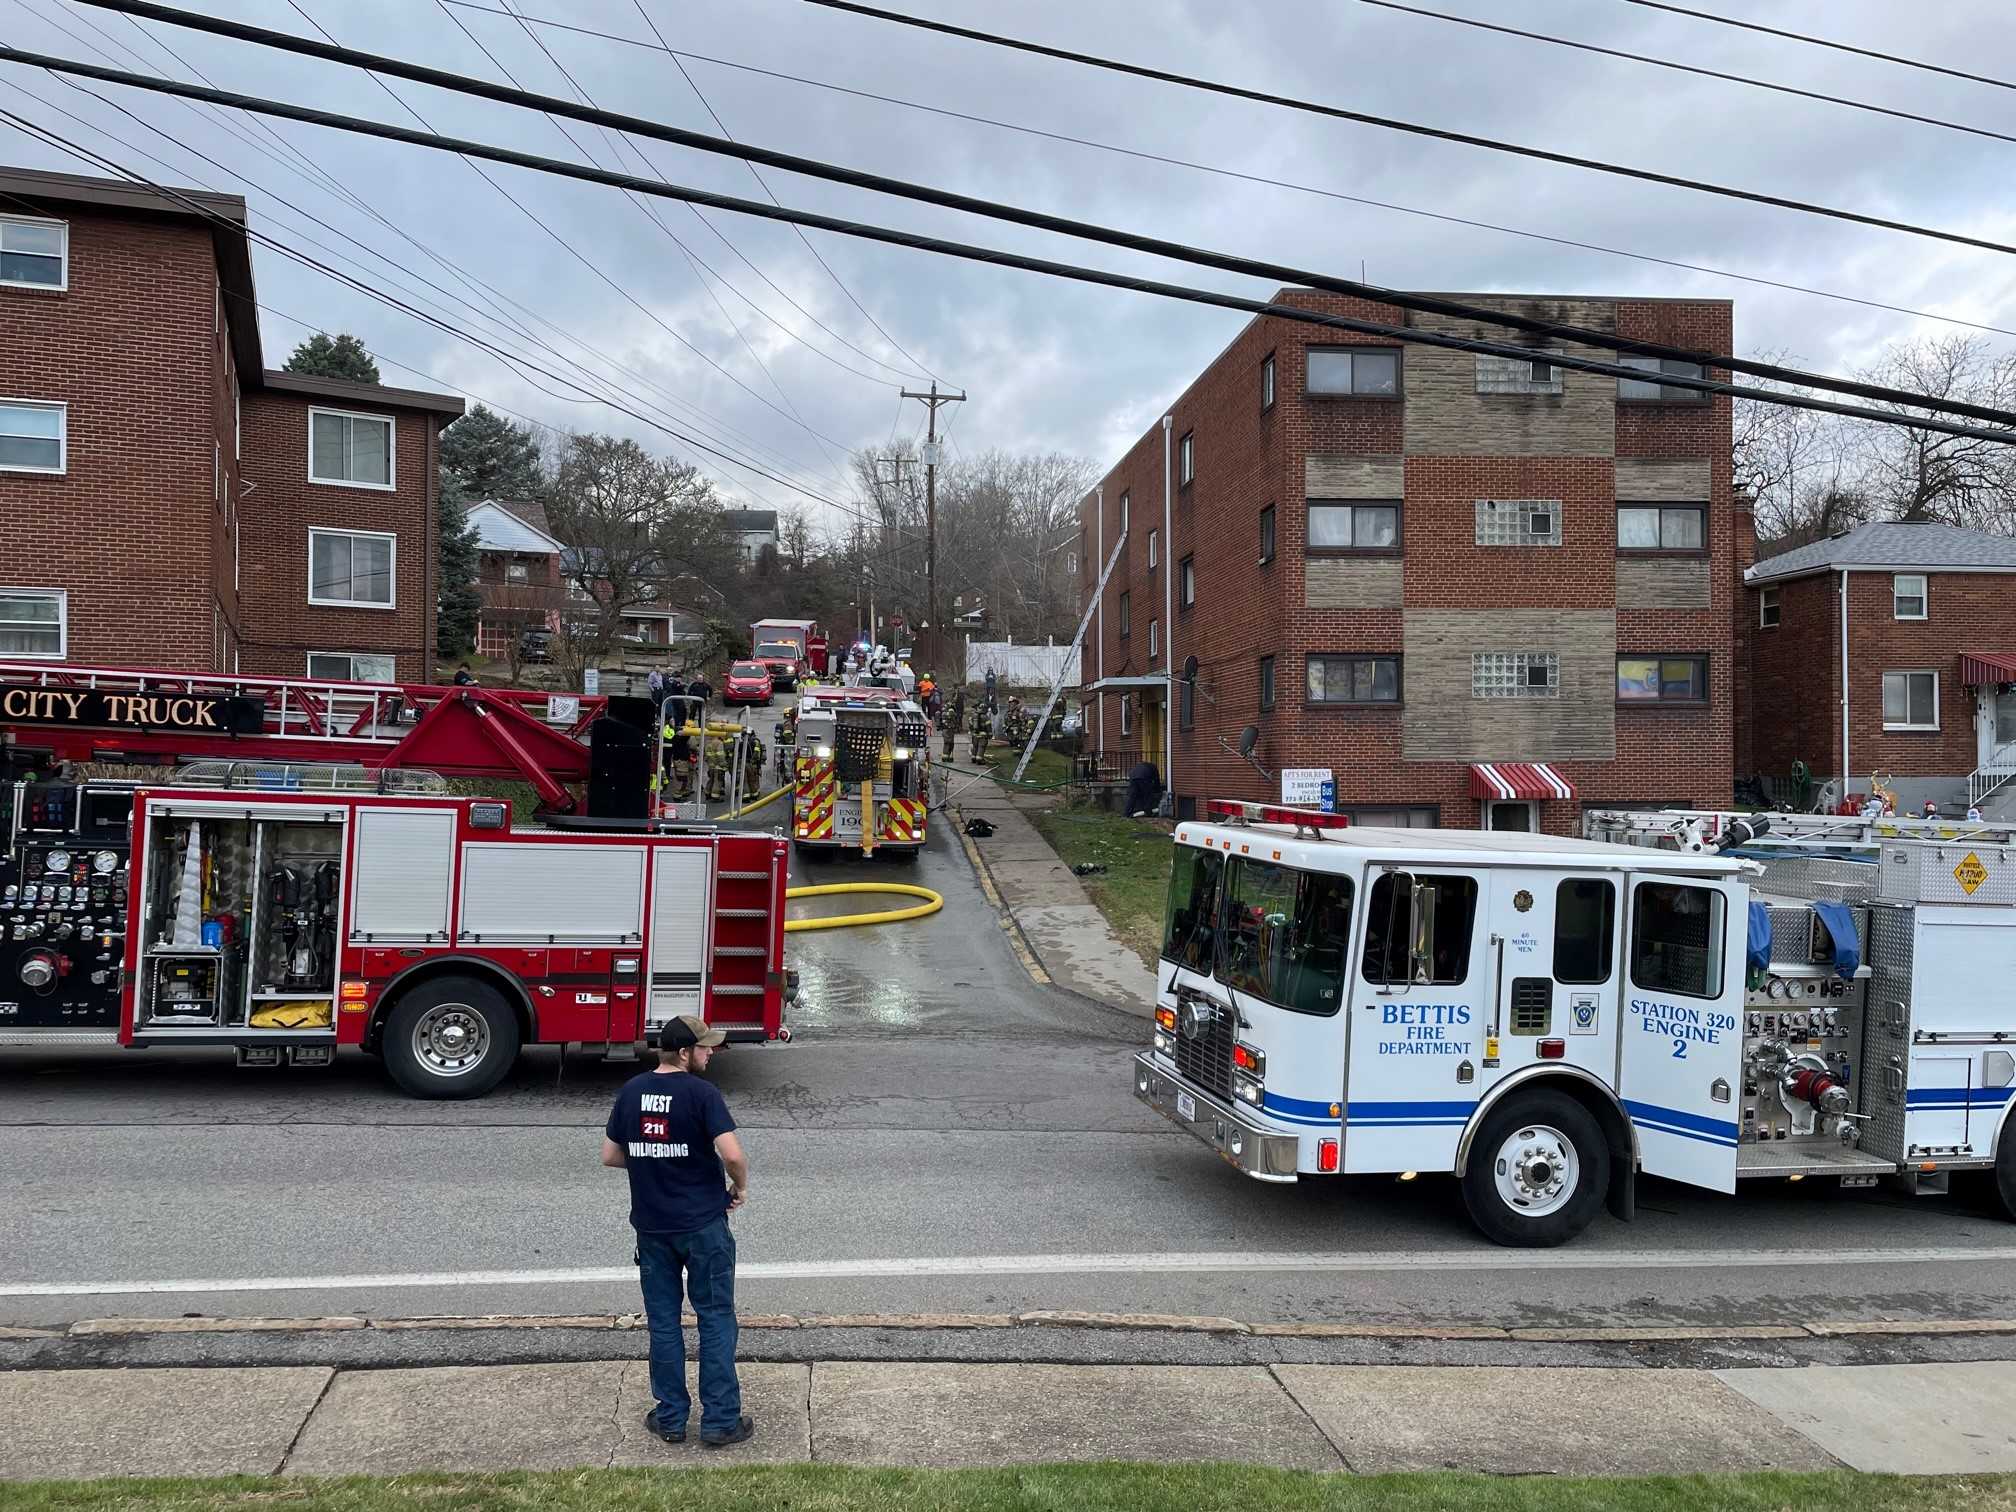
(933, 903)
(750, 808)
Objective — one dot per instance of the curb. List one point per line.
(1017, 940)
(1132, 1322)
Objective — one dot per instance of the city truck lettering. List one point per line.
(1682, 1025)
(237, 715)
(1425, 1028)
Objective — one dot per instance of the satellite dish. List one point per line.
(1248, 739)
(1190, 669)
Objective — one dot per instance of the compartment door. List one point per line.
(1680, 1063)
(682, 909)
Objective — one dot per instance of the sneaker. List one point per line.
(670, 1435)
(743, 1430)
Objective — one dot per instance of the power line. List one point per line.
(1792, 36)
(1362, 118)
(1406, 335)
(1689, 68)
(1233, 173)
(1249, 267)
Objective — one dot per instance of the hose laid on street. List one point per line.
(750, 808)
(935, 902)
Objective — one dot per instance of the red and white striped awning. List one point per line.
(1980, 669)
(1518, 779)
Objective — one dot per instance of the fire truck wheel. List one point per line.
(1537, 1172)
(2005, 1170)
(451, 1037)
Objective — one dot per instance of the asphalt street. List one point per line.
(941, 1135)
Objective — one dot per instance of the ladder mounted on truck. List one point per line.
(1701, 829)
(117, 714)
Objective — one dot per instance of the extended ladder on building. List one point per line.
(1064, 662)
(116, 714)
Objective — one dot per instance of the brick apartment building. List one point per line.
(1471, 590)
(1929, 622)
(173, 502)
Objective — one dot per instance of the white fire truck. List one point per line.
(285, 908)
(1546, 1018)
(861, 772)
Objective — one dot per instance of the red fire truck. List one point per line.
(308, 882)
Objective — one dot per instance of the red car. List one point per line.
(748, 683)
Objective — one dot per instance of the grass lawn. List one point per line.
(1046, 767)
(1047, 1488)
(1135, 852)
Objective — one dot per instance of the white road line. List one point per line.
(1361, 1261)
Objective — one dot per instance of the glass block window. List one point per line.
(1515, 674)
(1518, 522)
(1518, 375)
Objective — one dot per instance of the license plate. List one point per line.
(1186, 1106)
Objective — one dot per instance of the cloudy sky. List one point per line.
(608, 288)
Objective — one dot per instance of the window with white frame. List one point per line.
(1335, 525)
(1518, 522)
(1126, 512)
(352, 666)
(518, 570)
(1908, 596)
(34, 622)
(351, 568)
(1126, 714)
(1767, 609)
(1267, 382)
(350, 449)
(1519, 375)
(34, 436)
(1154, 639)
(1154, 548)
(34, 253)
(1186, 459)
(1515, 674)
(1186, 582)
(1362, 372)
(1649, 391)
(1910, 700)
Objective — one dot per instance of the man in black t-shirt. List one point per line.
(672, 1132)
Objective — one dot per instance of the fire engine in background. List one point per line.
(284, 906)
(1726, 998)
(785, 647)
(861, 775)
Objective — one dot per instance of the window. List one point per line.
(1335, 526)
(351, 567)
(1266, 535)
(1071, 563)
(1186, 459)
(1767, 609)
(1585, 920)
(1662, 527)
(1154, 639)
(1126, 513)
(1518, 375)
(1662, 679)
(517, 572)
(34, 254)
(217, 472)
(1645, 390)
(1515, 674)
(1266, 683)
(1190, 928)
(1284, 934)
(1417, 816)
(1126, 627)
(33, 436)
(1354, 679)
(1267, 382)
(1518, 522)
(1126, 714)
(1908, 597)
(1910, 700)
(1676, 939)
(34, 622)
(1366, 372)
(350, 449)
(1154, 549)
(352, 666)
(1186, 703)
(1186, 582)
(1441, 954)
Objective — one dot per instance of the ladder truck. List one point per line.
(860, 772)
(1711, 998)
(299, 879)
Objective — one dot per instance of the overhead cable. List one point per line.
(1793, 36)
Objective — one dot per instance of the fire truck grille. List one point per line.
(1206, 1059)
(860, 750)
(910, 732)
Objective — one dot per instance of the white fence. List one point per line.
(1020, 666)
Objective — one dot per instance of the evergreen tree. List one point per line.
(487, 457)
(460, 603)
(342, 356)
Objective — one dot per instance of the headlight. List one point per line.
(1162, 1042)
(823, 753)
(903, 753)
(1246, 1091)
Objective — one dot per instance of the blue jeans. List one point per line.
(707, 1259)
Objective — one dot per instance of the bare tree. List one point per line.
(1914, 474)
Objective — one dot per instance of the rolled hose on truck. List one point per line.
(931, 904)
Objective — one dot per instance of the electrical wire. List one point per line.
(1232, 173)
(1689, 68)
(1792, 36)
(1405, 335)
(1250, 267)
(1362, 118)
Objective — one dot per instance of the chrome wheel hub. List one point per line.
(1537, 1170)
(450, 1039)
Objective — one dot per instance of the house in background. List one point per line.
(756, 529)
(1922, 619)
(304, 543)
(518, 573)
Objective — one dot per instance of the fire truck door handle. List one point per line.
(545, 991)
(1497, 981)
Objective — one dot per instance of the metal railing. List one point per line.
(1999, 768)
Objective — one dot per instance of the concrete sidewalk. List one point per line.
(1058, 924)
(313, 1420)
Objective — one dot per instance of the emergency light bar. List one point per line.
(1241, 812)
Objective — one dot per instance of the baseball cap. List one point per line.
(688, 1029)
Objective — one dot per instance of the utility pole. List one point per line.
(931, 402)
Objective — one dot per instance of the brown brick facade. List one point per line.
(1461, 431)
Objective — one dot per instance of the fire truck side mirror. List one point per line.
(1421, 932)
